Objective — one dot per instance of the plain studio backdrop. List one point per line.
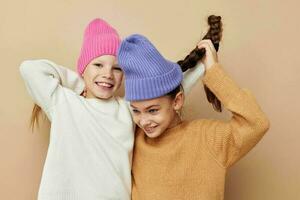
(259, 51)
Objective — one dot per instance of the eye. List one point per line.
(135, 111)
(153, 111)
(117, 68)
(98, 64)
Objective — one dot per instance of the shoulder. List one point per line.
(195, 124)
(67, 96)
(122, 102)
(202, 126)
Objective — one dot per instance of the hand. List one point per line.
(210, 57)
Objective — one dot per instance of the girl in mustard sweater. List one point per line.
(176, 159)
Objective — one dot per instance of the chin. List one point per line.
(103, 95)
(154, 134)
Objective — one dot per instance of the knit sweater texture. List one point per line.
(91, 140)
(190, 160)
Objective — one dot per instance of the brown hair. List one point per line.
(174, 92)
(36, 111)
(214, 34)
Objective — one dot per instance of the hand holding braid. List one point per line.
(214, 34)
(210, 58)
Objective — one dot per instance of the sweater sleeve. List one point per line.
(191, 77)
(44, 79)
(229, 141)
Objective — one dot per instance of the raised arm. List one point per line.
(229, 141)
(191, 77)
(43, 79)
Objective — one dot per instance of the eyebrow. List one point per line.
(97, 62)
(145, 108)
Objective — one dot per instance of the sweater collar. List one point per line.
(104, 105)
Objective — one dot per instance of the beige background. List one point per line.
(259, 50)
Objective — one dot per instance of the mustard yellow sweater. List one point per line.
(190, 160)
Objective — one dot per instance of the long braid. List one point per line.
(214, 34)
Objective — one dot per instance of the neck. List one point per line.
(177, 120)
(89, 95)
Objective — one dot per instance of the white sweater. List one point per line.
(91, 140)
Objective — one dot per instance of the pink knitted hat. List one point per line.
(99, 39)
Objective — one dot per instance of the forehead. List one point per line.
(160, 101)
(106, 59)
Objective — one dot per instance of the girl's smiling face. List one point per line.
(102, 77)
(155, 116)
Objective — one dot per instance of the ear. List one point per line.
(178, 101)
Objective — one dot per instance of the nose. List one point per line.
(144, 121)
(107, 73)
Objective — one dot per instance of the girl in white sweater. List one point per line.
(91, 136)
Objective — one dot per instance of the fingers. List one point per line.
(207, 44)
(210, 57)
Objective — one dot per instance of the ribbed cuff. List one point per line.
(61, 196)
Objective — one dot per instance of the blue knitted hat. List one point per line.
(148, 74)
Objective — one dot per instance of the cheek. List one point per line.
(86, 79)
(159, 118)
(166, 116)
(88, 75)
(118, 77)
(135, 118)
(166, 120)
